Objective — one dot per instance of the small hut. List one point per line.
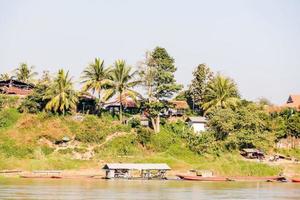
(125, 170)
(252, 154)
(198, 124)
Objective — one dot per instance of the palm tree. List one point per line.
(221, 92)
(4, 77)
(60, 95)
(95, 77)
(122, 83)
(25, 73)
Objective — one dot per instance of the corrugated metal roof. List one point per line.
(137, 166)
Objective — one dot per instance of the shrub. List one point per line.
(121, 146)
(134, 122)
(8, 117)
(47, 150)
(91, 131)
(7, 101)
(162, 140)
(10, 149)
(144, 136)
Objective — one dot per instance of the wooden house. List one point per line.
(179, 108)
(86, 103)
(15, 87)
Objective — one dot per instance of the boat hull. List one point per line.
(200, 178)
(296, 180)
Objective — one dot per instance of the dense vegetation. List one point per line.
(31, 128)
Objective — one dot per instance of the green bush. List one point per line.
(47, 150)
(162, 140)
(144, 136)
(134, 122)
(8, 117)
(91, 130)
(7, 101)
(9, 148)
(120, 146)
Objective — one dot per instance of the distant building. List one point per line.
(86, 103)
(129, 105)
(179, 108)
(15, 87)
(198, 124)
(292, 102)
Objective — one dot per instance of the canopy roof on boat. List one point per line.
(137, 166)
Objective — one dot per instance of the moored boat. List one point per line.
(201, 178)
(296, 180)
(38, 176)
(259, 178)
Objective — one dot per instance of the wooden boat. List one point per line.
(259, 178)
(39, 176)
(295, 180)
(201, 178)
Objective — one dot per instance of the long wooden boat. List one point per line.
(201, 178)
(39, 176)
(296, 180)
(258, 178)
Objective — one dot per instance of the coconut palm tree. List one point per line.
(4, 77)
(25, 73)
(221, 92)
(60, 95)
(95, 78)
(122, 83)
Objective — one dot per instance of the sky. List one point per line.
(255, 42)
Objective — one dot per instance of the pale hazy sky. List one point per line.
(256, 42)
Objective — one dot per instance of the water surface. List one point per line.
(144, 190)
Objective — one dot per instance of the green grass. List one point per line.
(8, 118)
(20, 147)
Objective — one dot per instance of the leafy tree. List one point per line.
(35, 102)
(202, 75)
(60, 95)
(25, 73)
(293, 125)
(221, 92)
(164, 81)
(245, 127)
(147, 72)
(160, 83)
(95, 78)
(46, 78)
(122, 83)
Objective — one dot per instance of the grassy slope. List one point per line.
(20, 149)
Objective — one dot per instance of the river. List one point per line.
(14, 188)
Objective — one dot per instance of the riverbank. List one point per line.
(32, 142)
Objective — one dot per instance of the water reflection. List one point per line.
(122, 189)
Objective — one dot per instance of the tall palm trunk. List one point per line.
(121, 108)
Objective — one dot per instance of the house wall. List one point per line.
(198, 127)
